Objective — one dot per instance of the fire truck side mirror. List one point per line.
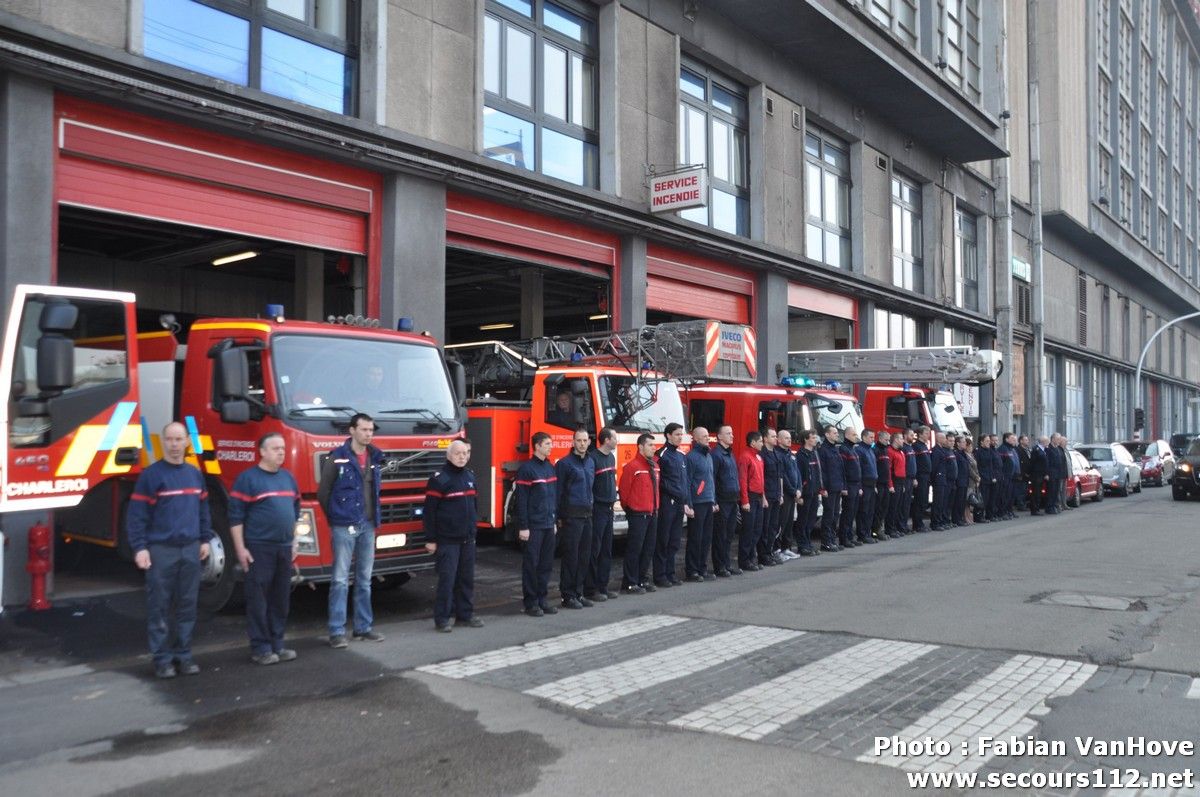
(458, 378)
(232, 374)
(56, 351)
(235, 411)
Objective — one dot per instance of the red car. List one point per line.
(1084, 481)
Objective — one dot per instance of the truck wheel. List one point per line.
(219, 573)
(1178, 495)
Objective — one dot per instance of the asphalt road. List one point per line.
(1084, 624)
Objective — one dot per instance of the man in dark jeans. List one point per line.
(264, 506)
(536, 501)
(576, 474)
(639, 499)
(833, 477)
(169, 529)
(604, 495)
(725, 479)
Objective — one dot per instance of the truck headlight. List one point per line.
(306, 533)
(1186, 467)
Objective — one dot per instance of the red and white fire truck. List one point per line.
(80, 439)
(785, 406)
(895, 407)
(627, 380)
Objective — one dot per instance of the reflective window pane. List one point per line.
(812, 185)
(812, 145)
(814, 238)
(831, 195)
(491, 54)
(691, 83)
(554, 81)
(727, 101)
(697, 144)
(741, 159)
(297, 9)
(568, 158)
(698, 215)
(331, 17)
(833, 250)
(518, 71)
(302, 71)
(507, 138)
(567, 23)
(520, 6)
(721, 134)
(198, 37)
(583, 92)
(725, 212)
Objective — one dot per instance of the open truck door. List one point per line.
(70, 363)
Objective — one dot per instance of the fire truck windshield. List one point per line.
(401, 385)
(649, 406)
(946, 414)
(842, 412)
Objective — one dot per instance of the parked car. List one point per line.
(1085, 480)
(1156, 458)
(1118, 470)
(1187, 481)
(1180, 441)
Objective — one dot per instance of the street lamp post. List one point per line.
(1137, 378)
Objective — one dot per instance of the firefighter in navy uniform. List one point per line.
(536, 509)
(792, 491)
(870, 475)
(576, 474)
(921, 479)
(883, 486)
(450, 516)
(725, 480)
(833, 476)
(773, 492)
(676, 503)
(604, 495)
(703, 494)
(811, 491)
(941, 462)
(853, 475)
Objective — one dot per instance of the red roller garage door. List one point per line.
(685, 284)
(121, 162)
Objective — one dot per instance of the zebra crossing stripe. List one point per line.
(596, 687)
(554, 646)
(755, 712)
(996, 705)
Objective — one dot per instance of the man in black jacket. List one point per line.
(1039, 465)
(1056, 473)
(1021, 481)
(449, 517)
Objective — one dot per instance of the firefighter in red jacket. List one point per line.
(639, 498)
(754, 503)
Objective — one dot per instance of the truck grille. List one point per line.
(403, 465)
(400, 513)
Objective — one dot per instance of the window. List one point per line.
(1125, 56)
(898, 16)
(1049, 395)
(827, 198)
(966, 260)
(1023, 293)
(1125, 197)
(714, 130)
(1120, 405)
(302, 50)
(568, 404)
(1105, 320)
(709, 413)
(1073, 412)
(896, 331)
(540, 89)
(1100, 404)
(959, 24)
(1125, 133)
(908, 270)
(1103, 32)
(1104, 178)
(1125, 332)
(1081, 309)
(1104, 109)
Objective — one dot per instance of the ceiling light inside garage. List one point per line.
(598, 317)
(222, 261)
(490, 327)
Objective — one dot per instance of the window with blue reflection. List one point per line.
(198, 37)
(303, 55)
(520, 6)
(568, 158)
(567, 23)
(304, 72)
(508, 139)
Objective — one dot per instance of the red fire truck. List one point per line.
(234, 380)
(626, 380)
(785, 406)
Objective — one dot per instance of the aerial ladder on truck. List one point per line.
(893, 398)
(627, 380)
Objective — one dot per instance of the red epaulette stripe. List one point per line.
(460, 494)
(184, 491)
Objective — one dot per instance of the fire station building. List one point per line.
(830, 171)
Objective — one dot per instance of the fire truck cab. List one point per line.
(754, 407)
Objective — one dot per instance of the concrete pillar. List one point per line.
(309, 296)
(26, 248)
(630, 291)
(413, 273)
(533, 309)
(610, 91)
(771, 326)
